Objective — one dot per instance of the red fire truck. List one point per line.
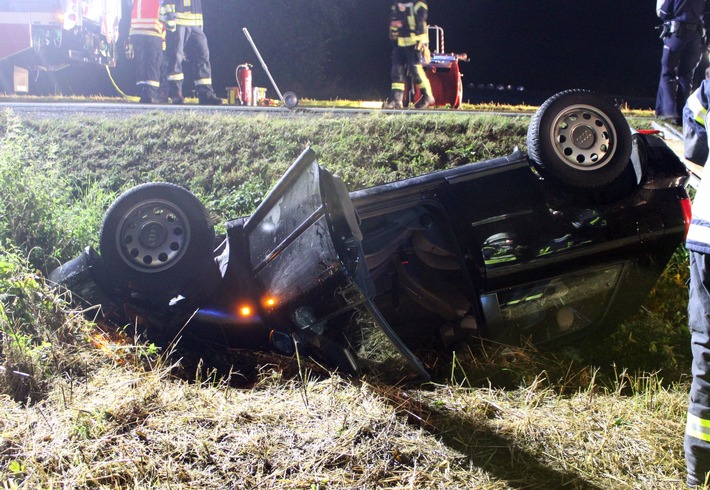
(48, 35)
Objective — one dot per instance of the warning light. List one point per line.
(245, 310)
(269, 302)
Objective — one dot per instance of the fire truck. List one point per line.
(49, 35)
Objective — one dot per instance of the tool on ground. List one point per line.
(289, 99)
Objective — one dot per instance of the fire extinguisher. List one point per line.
(244, 83)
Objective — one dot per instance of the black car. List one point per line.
(541, 248)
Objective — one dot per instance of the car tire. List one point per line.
(157, 239)
(579, 139)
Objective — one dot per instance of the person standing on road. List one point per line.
(186, 37)
(682, 34)
(697, 431)
(409, 33)
(147, 34)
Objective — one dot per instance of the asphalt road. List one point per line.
(39, 110)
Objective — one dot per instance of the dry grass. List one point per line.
(142, 429)
(130, 423)
(539, 439)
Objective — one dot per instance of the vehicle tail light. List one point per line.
(686, 205)
(69, 15)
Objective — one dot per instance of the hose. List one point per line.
(130, 98)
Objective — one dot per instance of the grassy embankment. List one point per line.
(105, 409)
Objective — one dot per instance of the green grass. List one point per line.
(84, 407)
(215, 155)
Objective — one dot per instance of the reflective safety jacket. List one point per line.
(145, 18)
(408, 23)
(695, 142)
(186, 12)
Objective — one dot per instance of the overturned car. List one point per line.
(545, 247)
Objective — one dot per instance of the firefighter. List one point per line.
(697, 431)
(682, 34)
(186, 37)
(410, 37)
(147, 34)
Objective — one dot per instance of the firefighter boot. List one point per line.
(163, 96)
(177, 98)
(395, 100)
(208, 98)
(426, 100)
(211, 99)
(149, 95)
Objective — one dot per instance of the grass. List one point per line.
(85, 407)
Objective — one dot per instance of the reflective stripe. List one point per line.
(412, 40)
(147, 25)
(694, 104)
(422, 76)
(425, 85)
(398, 86)
(151, 83)
(203, 81)
(176, 76)
(698, 232)
(139, 32)
(412, 22)
(188, 19)
(698, 428)
(420, 5)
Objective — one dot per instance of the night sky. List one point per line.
(326, 49)
(609, 46)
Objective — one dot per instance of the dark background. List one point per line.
(329, 49)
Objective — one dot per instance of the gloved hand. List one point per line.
(395, 25)
(168, 16)
(423, 49)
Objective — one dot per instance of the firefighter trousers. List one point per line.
(149, 56)
(406, 58)
(697, 432)
(189, 42)
(681, 55)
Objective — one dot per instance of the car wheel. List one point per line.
(157, 238)
(579, 139)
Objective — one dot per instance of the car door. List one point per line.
(305, 257)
